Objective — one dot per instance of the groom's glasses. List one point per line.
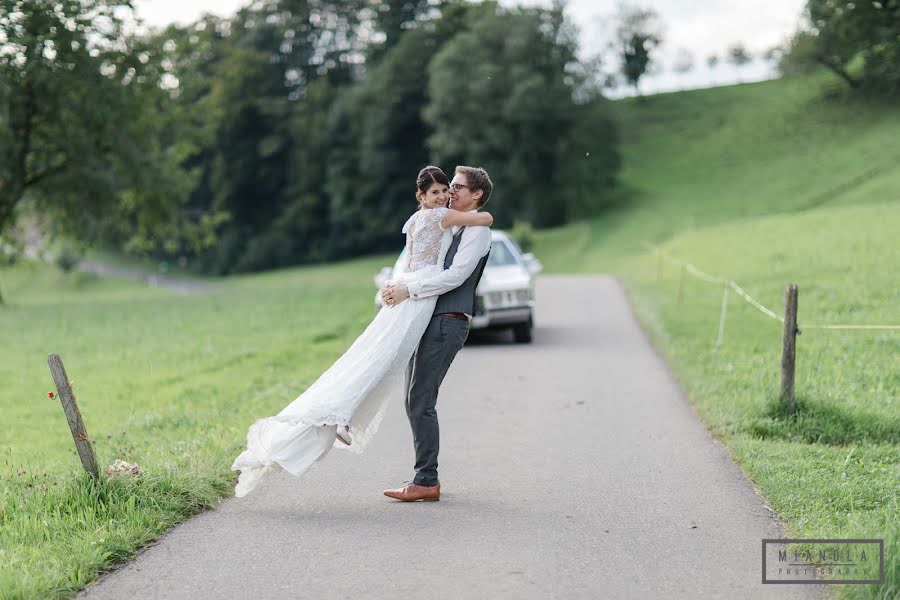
(458, 186)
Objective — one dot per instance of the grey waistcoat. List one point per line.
(461, 299)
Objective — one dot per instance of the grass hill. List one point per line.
(703, 157)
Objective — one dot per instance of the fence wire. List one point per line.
(697, 273)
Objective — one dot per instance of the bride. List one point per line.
(345, 406)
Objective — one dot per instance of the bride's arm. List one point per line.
(467, 219)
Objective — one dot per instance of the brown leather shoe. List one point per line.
(413, 492)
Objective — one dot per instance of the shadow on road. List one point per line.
(490, 337)
(544, 337)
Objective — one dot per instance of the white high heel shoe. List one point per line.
(343, 434)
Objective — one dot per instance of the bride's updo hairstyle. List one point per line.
(428, 176)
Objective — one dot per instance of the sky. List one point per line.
(699, 27)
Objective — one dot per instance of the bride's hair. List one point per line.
(428, 176)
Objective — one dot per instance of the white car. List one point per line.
(505, 295)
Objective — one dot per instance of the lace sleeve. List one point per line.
(423, 239)
(409, 222)
(434, 216)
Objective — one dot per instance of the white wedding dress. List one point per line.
(356, 389)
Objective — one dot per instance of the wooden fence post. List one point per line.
(720, 337)
(789, 348)
(73, 416)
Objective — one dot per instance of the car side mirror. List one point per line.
(533, 265)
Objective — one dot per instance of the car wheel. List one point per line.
(522, 332)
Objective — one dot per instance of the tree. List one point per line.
(638, 33)
(378, 142)
(738, 56)
(801, 55)
(590, 161)
(684, 61)
(773, 55)
(501, 97)
(256, 94)
(394, 17)
(78, 133)
(858, 41)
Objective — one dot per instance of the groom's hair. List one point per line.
(478, 180)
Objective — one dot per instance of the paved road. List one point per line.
(177, 284)
(35, 244)
(572, 467)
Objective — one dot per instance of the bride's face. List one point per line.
(436, 196)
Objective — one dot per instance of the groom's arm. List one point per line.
(475, 243)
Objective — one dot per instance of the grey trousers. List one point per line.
(442, 339)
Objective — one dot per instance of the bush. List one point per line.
(67, 258)
(523, 233)
(9, 254)
(799, 55)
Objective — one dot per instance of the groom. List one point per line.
(446, 332)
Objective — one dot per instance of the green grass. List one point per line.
(769, 184)
(168, 381)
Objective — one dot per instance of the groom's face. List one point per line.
(461, 195)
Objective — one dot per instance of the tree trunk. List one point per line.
(7, 203)
(840, 72)
(6, 208)
(13, 191)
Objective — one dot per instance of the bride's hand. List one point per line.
(394, 294)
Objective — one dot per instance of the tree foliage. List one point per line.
(639, 31)
(858, 41)
(81, 117)
(684, 61)
(738, 55)
(502, 98)
(292, 132)
(380, 136)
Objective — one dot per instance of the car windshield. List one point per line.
(501, 255)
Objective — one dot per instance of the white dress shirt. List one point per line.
(475, 243)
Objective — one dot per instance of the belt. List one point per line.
(457, 315)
